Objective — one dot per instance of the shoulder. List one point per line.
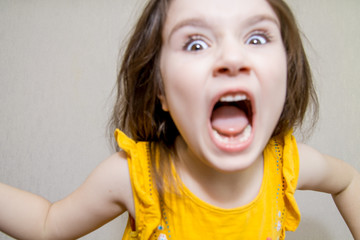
(312, 167)
(113, 174)
(104, 195)
(321, 172)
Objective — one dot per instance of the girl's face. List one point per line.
(224, 71)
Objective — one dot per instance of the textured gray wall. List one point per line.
(333, 34)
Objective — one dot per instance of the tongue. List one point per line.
(229, 120)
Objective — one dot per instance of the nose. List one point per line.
(231, 59)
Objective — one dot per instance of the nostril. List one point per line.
(231, 71)
(223, 70)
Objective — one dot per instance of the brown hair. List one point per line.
(300, 92)
(138, 111)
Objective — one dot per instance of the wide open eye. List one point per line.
(257, 39)
(195, 45)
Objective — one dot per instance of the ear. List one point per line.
(164, 103)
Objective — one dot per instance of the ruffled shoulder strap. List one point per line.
(291, 165)
(147, 209)
(124, 142)
(291, 174)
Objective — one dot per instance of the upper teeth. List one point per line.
(233, 98)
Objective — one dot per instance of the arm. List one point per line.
(103, 196)
(323, 173)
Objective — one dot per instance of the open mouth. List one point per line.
(231, 120)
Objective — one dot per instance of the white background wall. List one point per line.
(58, 62)
(333, 46)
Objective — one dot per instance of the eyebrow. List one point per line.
(262, 18)
(190, 22)
(199, 22)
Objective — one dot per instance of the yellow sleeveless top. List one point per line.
(186, 217)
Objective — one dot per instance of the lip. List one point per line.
(232, 147)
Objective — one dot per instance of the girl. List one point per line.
(209, 92)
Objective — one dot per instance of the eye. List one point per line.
(195, 44)
(258, 39)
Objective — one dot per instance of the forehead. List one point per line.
(217, 11)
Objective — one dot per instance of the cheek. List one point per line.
(274, 91)
(282, 83)
(278, 90)
(279, 81)
(181, 84)
(185, 94)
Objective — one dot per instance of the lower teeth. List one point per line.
(243, 137)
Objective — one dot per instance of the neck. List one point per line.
(222, 189)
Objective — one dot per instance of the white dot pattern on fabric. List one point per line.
(162, 237)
